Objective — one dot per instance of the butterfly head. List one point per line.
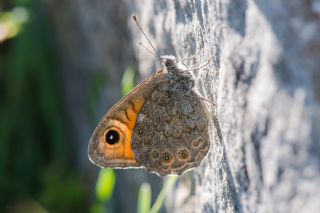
(169, 60)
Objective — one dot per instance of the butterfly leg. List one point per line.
(201, 66)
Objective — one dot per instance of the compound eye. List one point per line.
(112, 137)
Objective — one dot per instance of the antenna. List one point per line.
(147, 49)
(156, 53)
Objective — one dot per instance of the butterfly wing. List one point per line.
(171, 132)
(110, 144)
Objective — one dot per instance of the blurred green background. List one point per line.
(36, 167)
(40, 170)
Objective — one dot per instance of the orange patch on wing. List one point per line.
(132, 114)
(121, 153)
(127, 150)
(133, 110)
(138, 103)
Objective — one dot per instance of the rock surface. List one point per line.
(264, 80)
(263, 77)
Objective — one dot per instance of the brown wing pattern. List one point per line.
(171, 132)
(120, 121)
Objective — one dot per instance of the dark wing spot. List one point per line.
(112, 137)
(166, 158)
(183, 154)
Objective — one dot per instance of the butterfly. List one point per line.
(162, 125)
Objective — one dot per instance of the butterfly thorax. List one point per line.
(180, 80)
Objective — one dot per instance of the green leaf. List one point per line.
(168, 185)
(127, 82)
(105, 184)
(144, 199)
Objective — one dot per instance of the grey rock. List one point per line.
(264, 81)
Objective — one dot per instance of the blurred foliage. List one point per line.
(127, 82)
(35, 161)
(12, 22)
(27, 206)
(144, 198)
(105, 184)
(168, 185)
(97, 85)
(104, 189)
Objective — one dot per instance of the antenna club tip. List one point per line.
(134, 17)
